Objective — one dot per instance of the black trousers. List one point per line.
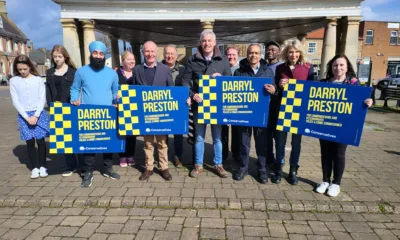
(235, 142)
(90, 161)
(130, 146)
(332, 157)
(260, 136)
(225, 142)
(37, 158)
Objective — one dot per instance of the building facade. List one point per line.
(13, 42)
(381, 43)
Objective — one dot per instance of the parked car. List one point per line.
(392, 82)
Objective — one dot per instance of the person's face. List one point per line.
(293, 55)
(254, 54)
(272, 52)
(23, 69)
(170, 55)
(150, 53)
(339, 67)
(232, 56)
(129, 61)
(98, 54)
(208, 43)
(58, 58)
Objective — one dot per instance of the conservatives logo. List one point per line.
(307, 130)
(82, 148)
(147, 129)
(225, 120)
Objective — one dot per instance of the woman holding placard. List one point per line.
(339, 71)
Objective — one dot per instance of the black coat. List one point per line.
(197, 66)
(122, 80)
(162, 76)
(245, 70)
(51, 91)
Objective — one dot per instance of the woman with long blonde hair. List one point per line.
(294, 66)
(59, 80)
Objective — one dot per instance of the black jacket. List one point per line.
(246, 71)
(162, 77)
(122, 80)
(197, 66)
(51, 91)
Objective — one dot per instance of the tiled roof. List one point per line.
(11, 30)
(317, 34)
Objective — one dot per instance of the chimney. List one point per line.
(3, 7)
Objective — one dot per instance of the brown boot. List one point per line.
(220, 171)
(198, 169)
(178, 163)
(145, 175)
(166, 175)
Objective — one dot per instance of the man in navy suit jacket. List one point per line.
(152, 73)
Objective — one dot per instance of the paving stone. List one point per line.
(167, 235)
(71, 211)
(192, 223)
(250, 194)
(32, 226)
(11, 223)
(255, 215)
(385, 234)
(145, 235)
(212, 223)
(207, 233)
(163, 212)
(26, 211)
(298, 229)
(153, 225)
(41, 232)
(303, 216)
(54, 220)
(234, 233)
(357, 227)
(140, 212)
(341, 235)
(87, 230)
(132, 227)
(256, 231)
(64, 231)
(190, 233)
(116, 219)
(208, 213)
(74, 221)
(253, 222)
(96, 219)
(17, 234)
(231, 214)
(139, 192)
(319, 228)
(121, 237)
(48, 212)
(98, 236)
(277, 230)
(110, 228)
(364, 236)
(117, 212)
(335, 226)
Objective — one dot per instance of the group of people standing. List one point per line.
(97, 84)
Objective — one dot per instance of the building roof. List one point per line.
(11, 30)
(39, 56)
(317, 34)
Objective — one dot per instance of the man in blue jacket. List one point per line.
(99, 86)
(253, 66)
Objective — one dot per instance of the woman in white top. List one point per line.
(28, 94)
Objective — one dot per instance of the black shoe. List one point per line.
(277, 174)
(87, 179)
(263, 177)
(239, 176)
(68, 173)
(110, 173)
(292, 178)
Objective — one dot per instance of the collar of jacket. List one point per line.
(217, 54)
(53, 70)
(175, 68)
(245, 66)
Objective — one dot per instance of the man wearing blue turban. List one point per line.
(98, 85)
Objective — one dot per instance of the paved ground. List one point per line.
(207, 207)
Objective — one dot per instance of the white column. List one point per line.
(114, 51)
(88, 37)
(351, 44)
(329, 46)
(71, 40)
(207, 24)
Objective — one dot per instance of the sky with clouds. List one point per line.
(39, 19)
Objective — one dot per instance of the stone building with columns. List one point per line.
(234, 22)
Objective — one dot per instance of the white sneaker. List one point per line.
(322, 187)
(43, 172)
(333, 190)
(35, 173)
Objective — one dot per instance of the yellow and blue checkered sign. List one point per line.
(151, 110)
(334, 112)
(84, 129)
(235, 100)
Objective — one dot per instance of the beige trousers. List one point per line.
(162, 151)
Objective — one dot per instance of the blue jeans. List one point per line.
(280, 146)
(199, 142)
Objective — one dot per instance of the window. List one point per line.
(1, 45)
(370, 37)
(22, 48)
(15, 47)
(393, 38)
(312, 47)
(8, 46)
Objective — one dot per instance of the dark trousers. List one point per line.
(37, 158)
(271, 135)
(71, 161)
(280, 138)
(178, 146)
(130, 146)
(225, 141)
(333, 156)
(90, 161)
(245, 134)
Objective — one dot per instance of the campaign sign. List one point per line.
(334, 112)
(241, 101)
(84, 129)
(151, 110)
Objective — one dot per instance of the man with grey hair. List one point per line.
(170, 59)
(207, 61)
